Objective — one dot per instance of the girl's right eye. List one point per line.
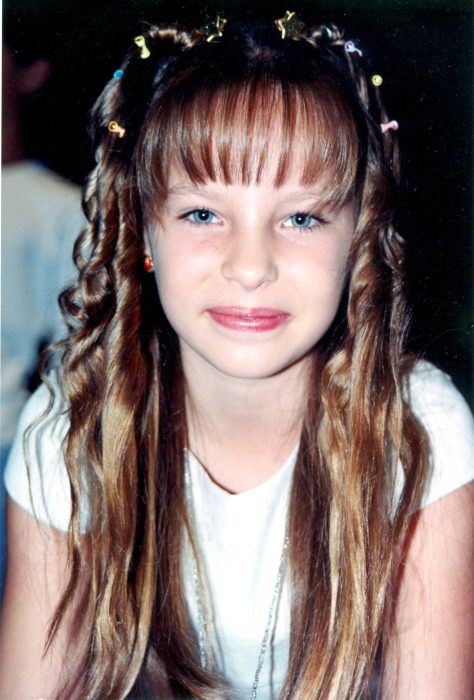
(201, 216)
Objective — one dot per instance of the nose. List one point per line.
(250, 260)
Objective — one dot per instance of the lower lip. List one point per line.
(258, 321)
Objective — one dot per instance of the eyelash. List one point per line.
(198, 210)
(318, 220)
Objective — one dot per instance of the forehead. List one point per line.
(259, 130)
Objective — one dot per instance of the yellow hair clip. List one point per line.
(289, 26)
(213, 30)
(141, 43)
(115, 128)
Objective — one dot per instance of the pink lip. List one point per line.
(251, 320)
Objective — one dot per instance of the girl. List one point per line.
(261, 488)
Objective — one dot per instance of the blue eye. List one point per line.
(301, 220)
(304, 221)
(201, 216)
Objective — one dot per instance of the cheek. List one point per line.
(172, 297)
(171, 281)
(178, 255)
(322, 268)
(171, 264)
(179, 273)
(334, 254)
(167, 274)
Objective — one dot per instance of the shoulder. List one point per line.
(35, 475)
(449, 425)
(430, 388)
(43, 180)
(38, 199)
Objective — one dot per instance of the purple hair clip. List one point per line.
(350, 47)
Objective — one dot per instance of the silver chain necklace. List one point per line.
(203, 627)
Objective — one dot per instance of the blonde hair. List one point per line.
(122, 377)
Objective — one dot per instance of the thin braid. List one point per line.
(330, 36)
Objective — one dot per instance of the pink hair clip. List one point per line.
(393, 126)
(350, 47)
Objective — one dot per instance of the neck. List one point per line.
(243, 430)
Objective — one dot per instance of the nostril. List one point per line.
(249, 276)
(251, 267)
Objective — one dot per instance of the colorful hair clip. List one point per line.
(289, 26)
(213, 29)
(115, 128)
(141, 43)
(350, 47)
(118, 74)
(389, 126)
(377, 80)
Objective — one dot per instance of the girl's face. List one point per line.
(250, 276)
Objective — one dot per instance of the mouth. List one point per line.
(253, 320)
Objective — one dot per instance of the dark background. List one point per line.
(422, 50)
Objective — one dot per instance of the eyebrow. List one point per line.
(303, 194)
(184, 189)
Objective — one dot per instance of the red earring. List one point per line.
(148, 263)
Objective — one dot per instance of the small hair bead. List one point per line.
(118, 74)
(377, 80)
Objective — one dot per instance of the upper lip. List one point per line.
(247, 312)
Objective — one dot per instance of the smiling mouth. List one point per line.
(248, 320)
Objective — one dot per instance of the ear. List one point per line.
(31, 78)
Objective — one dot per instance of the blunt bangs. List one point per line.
(241, 132)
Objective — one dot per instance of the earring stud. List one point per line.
(148, 265)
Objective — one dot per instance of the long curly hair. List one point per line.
(206, 106)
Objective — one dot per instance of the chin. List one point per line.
(253, 366)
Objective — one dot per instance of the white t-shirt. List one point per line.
(240, 537)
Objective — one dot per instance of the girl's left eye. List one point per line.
(302, 220)
(201, 216)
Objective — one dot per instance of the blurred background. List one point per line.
(423, 50)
